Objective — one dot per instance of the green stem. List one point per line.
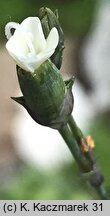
(75, 130)
(102, 192)
(77, 133)
(74, 148)
(96, 179)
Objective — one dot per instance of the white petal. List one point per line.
(22, 62)
(34, 62)
(33, 25)
(28, 46)
(29, 40)
(17, 45)
(42, 57)
(52, 40)
(8, 27)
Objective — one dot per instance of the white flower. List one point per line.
(27, 45)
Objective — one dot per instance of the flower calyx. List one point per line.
(46, 97)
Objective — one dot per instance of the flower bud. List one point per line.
(46, 97)
(49, 20)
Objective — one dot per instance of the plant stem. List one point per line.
(95, 179)
(86, 161)
(74, 148)
(78, 135)
(102, 192)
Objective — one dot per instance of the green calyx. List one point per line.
(49, 19)
(46, 97)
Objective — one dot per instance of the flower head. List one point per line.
(28, 45)
(46, 97)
